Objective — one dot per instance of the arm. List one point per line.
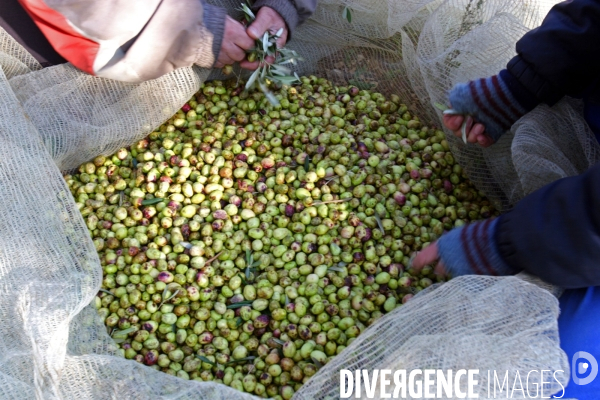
(131, 40)
(553, 233)
(561, 57)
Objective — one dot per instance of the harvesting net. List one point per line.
(54, 346)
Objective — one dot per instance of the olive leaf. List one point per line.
(124, 332)
(252, 78)
(347, 15)
(379, 224)
(463, 130)
(206, 360)
(186, 245)
(249, 14)
(239, 304)
(151, 202)
(280, 70)
(265, 43)
(249, 358)
(249, 262)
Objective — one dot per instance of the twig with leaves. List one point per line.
(266, 46)
(251, 265)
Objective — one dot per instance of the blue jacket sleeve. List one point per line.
(554, 233)
(562, 56)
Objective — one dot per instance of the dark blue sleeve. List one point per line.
(554, 233)
(562, 56)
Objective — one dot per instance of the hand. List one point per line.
(267, 19)
(429, 255)
(492, 104)
(467, 250)
(235, 43)
(475, 133)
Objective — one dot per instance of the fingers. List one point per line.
(237, 34)
(261, 24)
(425, 257)
(475, 131)
(255, 64)
(485, 140)
(231, 53)
(440, 269)
(235, 43)
(267, 19)
(428, 256)
(249, 65)
(453, 122)
(478, 135)
(224, 59)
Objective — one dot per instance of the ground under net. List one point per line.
(54, 346)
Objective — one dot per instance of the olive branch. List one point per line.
(266, 46)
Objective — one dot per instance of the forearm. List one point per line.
(131, 40)
(554, 233)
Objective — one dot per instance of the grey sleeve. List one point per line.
(294, 12)
(139, 40)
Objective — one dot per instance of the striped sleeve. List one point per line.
(497, 101)
(130, 40)
(472, 250)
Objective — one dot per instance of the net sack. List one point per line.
(54, 345)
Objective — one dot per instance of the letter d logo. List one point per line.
(583, 367)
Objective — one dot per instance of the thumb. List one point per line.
(256, 29)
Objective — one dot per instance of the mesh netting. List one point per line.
(471, 322)
(55, 346)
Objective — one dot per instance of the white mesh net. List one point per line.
(55, 346)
